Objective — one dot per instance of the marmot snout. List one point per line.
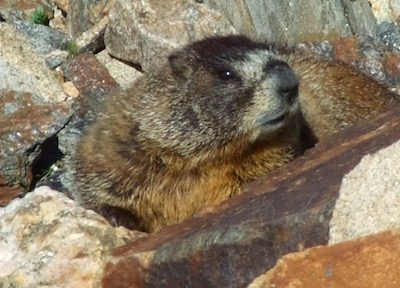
(220, 113)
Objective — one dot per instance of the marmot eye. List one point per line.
(226, 75)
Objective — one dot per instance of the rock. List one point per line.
(298, 21)
(62, 5)
(70, 89)
(32, 111)
(370, 56)
(59, 22)
(25, 71)
(55, 58)
(45, 238)
(385, 10)
(137, 32)
(124, 74)
(24, 140)
(89, 77)
(84, 14)
(390, 35)
(92, 40)
(8, 193)
(368, 262)
(286, 211)
(22, 10)
(369, 197)
(47, 42)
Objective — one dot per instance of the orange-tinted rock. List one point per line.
(88, 74)
(391, 61)
(346, 50)
(368, 262)
(8, 193)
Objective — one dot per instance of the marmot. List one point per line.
(221, 112)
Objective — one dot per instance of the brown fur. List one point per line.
(334, 95)
(148, 162)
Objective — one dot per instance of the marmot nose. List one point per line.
(287, 82)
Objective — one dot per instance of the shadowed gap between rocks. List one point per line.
(42, 166)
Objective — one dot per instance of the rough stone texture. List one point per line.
(23, 139)
(124, 74)
(22, 70)
(59, 22)
(22, 9)
(45, 240)
(46, 41)
(32, 109)
(92, 40)
(84, 14)
(369, 197)
(8, 193)
(390, 35)
(370, 56)
(138, 33)
(90, 77)
(70, 89)
(298, 21)
(370, 262)
(62, 4)
(385, 10)
(287, 210)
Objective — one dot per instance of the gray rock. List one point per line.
(22, 70)
(298, 21)
(46, 238)
(385, 10)
(390, 35)
(124, 74)
(47, 42)
(139, 33)
(369, 197)
(84, 14)
(92, 40)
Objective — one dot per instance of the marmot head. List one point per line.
(222, 88)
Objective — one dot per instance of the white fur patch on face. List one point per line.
(251, 69)
(269, 110)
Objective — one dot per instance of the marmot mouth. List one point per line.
(277, 120)
(268, 121)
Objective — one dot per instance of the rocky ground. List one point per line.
(56, 72)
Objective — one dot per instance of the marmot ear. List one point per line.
(181, 66)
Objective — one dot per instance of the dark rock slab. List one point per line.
(232, 243)
(26, 125)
